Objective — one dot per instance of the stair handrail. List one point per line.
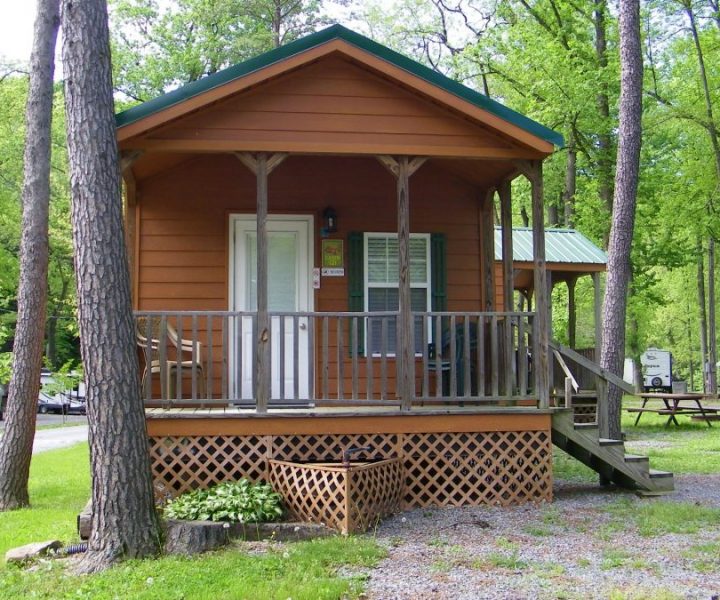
(566, 370)
(591, 366)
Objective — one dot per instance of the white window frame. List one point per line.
(367, 284)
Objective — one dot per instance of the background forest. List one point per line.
(554, 60)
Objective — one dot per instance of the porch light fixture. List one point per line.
(329, 221)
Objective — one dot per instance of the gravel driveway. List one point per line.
(576, 547)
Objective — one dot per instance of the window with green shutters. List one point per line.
(373, 281)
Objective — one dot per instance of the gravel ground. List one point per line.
(572, 548)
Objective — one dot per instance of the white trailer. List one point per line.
(657, 370)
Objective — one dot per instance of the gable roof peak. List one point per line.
(337, 32)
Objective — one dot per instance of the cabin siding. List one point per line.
(331, 105)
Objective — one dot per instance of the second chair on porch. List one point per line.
(163, 335)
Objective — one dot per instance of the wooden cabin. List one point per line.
(310, 237)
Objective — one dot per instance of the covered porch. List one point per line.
(311, 242)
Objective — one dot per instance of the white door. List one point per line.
(289, 290)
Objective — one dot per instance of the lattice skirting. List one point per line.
(442, 469)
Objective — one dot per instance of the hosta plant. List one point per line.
(233, 501)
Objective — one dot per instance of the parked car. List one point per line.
(59, 404)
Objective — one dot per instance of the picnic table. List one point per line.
(675, 404)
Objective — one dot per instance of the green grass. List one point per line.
(60, 425)
(302, 571)
(59, 488)
(658, 517)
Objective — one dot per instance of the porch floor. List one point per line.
(238, 412)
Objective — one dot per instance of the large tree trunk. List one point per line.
(623, 217)
(124, 521)
(702, 306)
(570, 186)
(602, 100)
(713, 134)
(712, 331)
(17, 442)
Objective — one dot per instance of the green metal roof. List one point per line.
(321, 37)
(561, 246)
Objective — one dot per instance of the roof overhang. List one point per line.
(404, 71)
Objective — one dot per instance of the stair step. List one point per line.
(636, 458)
(585, 425)
(609, 442)
(655, 474)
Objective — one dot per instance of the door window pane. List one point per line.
(282, 271)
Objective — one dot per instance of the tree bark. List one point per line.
(712, 335)
(17, 442)
(124, 520)
(605, 179)
(702, 306)
(623, 217)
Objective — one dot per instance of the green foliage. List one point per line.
(233, 501)
(157, 46)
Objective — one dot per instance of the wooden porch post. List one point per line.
(533, 171)
(261, 165)
(601, 388)
(403, 168)
(487, 251)
(597, 301)
(572, 312)
(262, 358)
(505, 193)
(406, 348)
(127, 159)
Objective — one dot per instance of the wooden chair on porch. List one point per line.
(164, 340)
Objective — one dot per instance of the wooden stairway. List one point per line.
(582, 441)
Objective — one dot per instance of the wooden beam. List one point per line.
(415, 164)
(248, 160)
(251, 161)
(262, 358)
(127, 158)
(406, 348)
(487, 250)
(389, 163)
(541, 339)
(505, 194)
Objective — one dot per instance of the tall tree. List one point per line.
(624, 202)
(124, 522)
(17, 441)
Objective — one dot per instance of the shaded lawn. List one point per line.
(60, 487)
(693, 447)
(302, 571)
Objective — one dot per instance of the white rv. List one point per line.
(657, 370)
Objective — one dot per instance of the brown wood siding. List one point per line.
(184, 222)
(332, 106)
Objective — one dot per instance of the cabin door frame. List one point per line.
(294, 293)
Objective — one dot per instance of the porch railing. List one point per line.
(207, 358)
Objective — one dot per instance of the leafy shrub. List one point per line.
(234, 501)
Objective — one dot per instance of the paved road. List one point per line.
(61, 437)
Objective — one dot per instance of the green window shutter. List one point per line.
(438, 272)
(356, 285)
